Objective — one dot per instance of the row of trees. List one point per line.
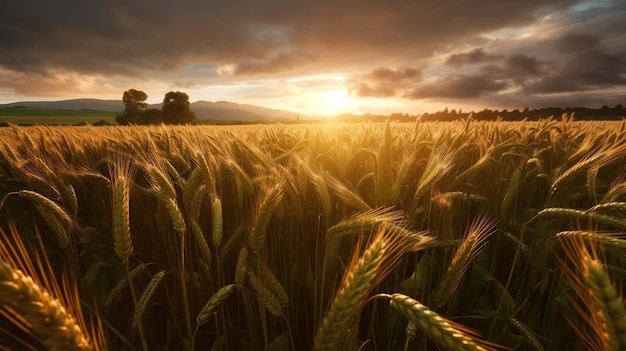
(580, 113)
(175, 109)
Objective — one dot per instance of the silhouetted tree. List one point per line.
(153, 116)
(135, 102)
(176, 109)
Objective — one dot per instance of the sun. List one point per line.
(337, 101)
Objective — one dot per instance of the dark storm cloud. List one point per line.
(134, 37)
(458, 87)
(586, 65)
(518, 68)
(385, 82)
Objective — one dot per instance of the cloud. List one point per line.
(458, 86)
(275, 63)
(385, 81)
(397, 49)
(586, 65)
(475, 56)
(364, 89)
(127, 38)
(395, 75)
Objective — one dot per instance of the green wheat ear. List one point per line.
(443, 332)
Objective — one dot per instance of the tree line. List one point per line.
(175, 109)
(580, 113)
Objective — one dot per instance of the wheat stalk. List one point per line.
(384, 169)
(531, 338)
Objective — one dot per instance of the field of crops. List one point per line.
(32, 116)
(422, 236)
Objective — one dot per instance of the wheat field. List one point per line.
(400, 236)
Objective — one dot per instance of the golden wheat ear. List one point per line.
(598, 301)
(474, 242)
(43, 314)
(44, 306)
(363, 274)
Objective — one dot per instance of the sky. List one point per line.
(319, 57)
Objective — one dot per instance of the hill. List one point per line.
(74, 104)
(230, 111)
(205, 110)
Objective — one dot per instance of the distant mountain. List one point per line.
(230, 111)
(205, 110)
(74, 104)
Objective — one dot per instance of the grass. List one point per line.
(461, 235)
(31, 116)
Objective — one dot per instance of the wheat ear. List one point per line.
(600, 304)
(438, 165)
(475, 240)
(144, 300)
(122, 284)
(331, 334)
(54, 215)
(268, 298)
(122, 241)
(443, 332)
(363, 222)
(580, 215)
(241, 267)
(214, 302)
(262, 219)
(200, 240)
(217, 222)
(47, 317)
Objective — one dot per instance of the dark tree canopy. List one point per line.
(135, 104)
(176, 108)
(153, 116)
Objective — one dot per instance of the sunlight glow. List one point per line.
(337, 101)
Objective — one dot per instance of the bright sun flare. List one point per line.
(337, 101)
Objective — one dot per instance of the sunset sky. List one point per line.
(319, 57)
